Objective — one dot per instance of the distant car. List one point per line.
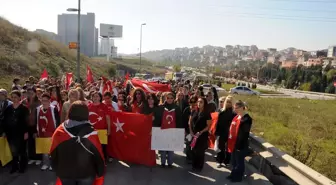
(207, 87)
(243, 90)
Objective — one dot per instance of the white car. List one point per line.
(207, 87)
(243, 90)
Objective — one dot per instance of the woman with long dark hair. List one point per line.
(56, 98)
(138, 101)
(15, 122)
(152, 103)
(185, 119)
(199, 124)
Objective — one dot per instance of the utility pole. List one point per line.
(143, 24)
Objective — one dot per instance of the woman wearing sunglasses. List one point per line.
(238, 141)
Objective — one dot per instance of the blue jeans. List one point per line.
(238, 164)
(86, 181)
(166, 155)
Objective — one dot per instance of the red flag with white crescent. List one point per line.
(68, 80)
(106, 85)
(150, 87)
(61, 135)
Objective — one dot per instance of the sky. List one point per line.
(304, 24)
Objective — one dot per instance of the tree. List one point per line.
(177, 68)
(111, 71)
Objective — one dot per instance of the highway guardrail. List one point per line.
(291, 167)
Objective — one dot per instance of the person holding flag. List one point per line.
(168, 116)
(47, 120)
(76, 152)
(99, 116)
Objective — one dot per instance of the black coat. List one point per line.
(16, 121)
(198, 123)
(73, 160)
(158, 113)
(185, 119)
(224, 123)
(242, 141)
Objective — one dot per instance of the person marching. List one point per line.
(225, 118)
(47, 120)
(76, 152)
(99, 116)
(168, 116)
(15, 124)
(138, 101)
(199, 124)
(238, 141)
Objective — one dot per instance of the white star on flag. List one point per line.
(100, 118)
(119, 125)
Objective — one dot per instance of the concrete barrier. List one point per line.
(289, 166)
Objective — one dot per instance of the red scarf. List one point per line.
(233, 133)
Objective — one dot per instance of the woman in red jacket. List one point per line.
(99, 115)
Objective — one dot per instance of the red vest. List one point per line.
(168, 119)
(46, 122)
(97, 115)
(136, 108)
(233, 133)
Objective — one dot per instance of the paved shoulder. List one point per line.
(120, 173)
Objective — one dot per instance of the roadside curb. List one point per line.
(254, 177)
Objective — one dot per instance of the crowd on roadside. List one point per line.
(43, 108)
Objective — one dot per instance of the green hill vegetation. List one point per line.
(305, 129)
(24, 53)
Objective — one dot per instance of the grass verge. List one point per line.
(305, 129)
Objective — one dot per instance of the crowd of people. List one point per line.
(45, 108)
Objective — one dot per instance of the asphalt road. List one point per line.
(119, 173)
(297, 94)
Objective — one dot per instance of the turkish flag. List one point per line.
(212, 129)
(68, 80)
(130, 138)
(98, 181)
(150, 87)
(106, 85)
(44, 75)
(61, 135)
(89, 75)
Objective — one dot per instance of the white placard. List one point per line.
(167, 139)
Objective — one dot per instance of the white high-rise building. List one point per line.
(67, 31)
(104, 44)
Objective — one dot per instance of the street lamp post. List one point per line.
(143, 24)
(78, 37)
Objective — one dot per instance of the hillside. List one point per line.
(24, 53)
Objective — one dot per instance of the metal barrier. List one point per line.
(289, 166)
